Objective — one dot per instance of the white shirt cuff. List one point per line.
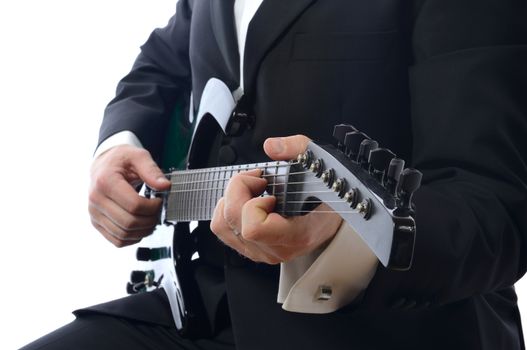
(121, 138)
(324, 281)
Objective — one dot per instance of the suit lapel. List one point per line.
(224, 27)
(270, 21)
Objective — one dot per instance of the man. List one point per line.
(442, 83)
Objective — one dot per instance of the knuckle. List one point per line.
(119, 243)
(215, 226)
(100, 183)
(134, 207)
(251, 234)
(93, 198)
(128, 224)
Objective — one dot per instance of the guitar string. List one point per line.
(228, 178)
(182, 209)
(187, 183)
(244, 167)
(278, 184)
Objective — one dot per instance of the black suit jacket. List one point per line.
(443, 83)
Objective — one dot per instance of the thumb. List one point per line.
(286, 148)
(149, 172)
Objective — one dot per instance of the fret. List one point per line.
(202, 201)
(195, 185)
(211, 203)
(198, 189)
(188, 195)
(192, 194)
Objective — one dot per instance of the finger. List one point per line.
(117, 232)
(285, 148)
(121, 217)
(286, 238)
(147, 170)
(222, 229)
(124, 195)
(258, 218)
(111, 237)
(248, 249)
(241, 188)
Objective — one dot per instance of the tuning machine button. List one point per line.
(339, 133)
(352, 197)
(365, 208)
(328, 176)
(317, 167)
(305, 159)
(366, 146)
(379, 161)
(339, 186)
(352, 143)
(409, 182)
(393, 174)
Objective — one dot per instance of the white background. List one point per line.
(59, 63)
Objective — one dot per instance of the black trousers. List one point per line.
(141, 321)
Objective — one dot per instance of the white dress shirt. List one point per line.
(319, 282)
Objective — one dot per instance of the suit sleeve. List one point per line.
(469, 123)
(146, 97)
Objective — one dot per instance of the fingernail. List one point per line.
(162, 179)
(276, 144)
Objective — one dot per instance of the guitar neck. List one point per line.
(194, 193)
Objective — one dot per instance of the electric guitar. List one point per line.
(365, 184)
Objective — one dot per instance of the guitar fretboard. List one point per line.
(194, 193)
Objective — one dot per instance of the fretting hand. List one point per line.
(116, 209)
(246, 222)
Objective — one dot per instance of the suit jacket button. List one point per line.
(227, 155)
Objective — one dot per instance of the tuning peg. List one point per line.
(409, 182)
(339, 133)
(379, 161)
(393, 174)
(366, 146)
(352, 143)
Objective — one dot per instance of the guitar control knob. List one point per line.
(392, 175)
(339, 133)
(134, 288)
(352, 143)
(137, 276)
(328, 176)
(409, 182)
(339, 186)
(366, 146)
(379, 161)
(153, 254)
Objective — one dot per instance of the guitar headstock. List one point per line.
(366, 185)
